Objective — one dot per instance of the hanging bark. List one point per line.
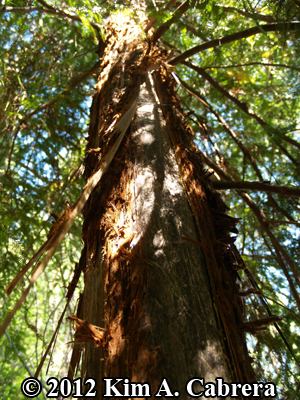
(159, 273)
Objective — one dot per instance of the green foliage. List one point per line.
(39, 155)
(42, 146)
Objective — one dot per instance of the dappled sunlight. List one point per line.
(209, 360)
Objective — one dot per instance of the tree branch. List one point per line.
(225, 125)
(177, 14)
(244, 107)
(234, 136)
(261, 217)
(194, 30)
(291, 141)
(288, 155)
(43, 3)
(255, 16)
(278, 222)
(79, 79)
(277, 257)
(34, 172)
(153, 20)
(278, 26)
(250, 64)
(260, 186)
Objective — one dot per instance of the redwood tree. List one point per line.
(163, 295)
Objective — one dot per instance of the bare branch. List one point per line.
(279, 222)
(278, 26)
(260, 186)
(250, 64)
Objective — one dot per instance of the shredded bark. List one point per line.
(86, 332)
(259, 324)
(136, 258)
(214, 227)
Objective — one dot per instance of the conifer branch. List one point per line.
(250, 64)
(247, 110)
(261, 217)
(242, 105)
(264, 299)
(278, 258)
(273, 27)
(234, 136)
(50, 10)
(225, 125)
(73, 84)
(194, 30)
(177, 14)
(248, 14)
(38, 370)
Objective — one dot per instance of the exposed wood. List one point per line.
(159, 276)
(213, 229)
(145, 261)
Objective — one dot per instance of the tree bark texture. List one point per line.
(158, 263)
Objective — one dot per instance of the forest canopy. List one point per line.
(236, 65)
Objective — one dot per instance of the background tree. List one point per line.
(240, 93)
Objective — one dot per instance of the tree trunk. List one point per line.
(159, 265)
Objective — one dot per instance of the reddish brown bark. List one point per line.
(170, 308)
